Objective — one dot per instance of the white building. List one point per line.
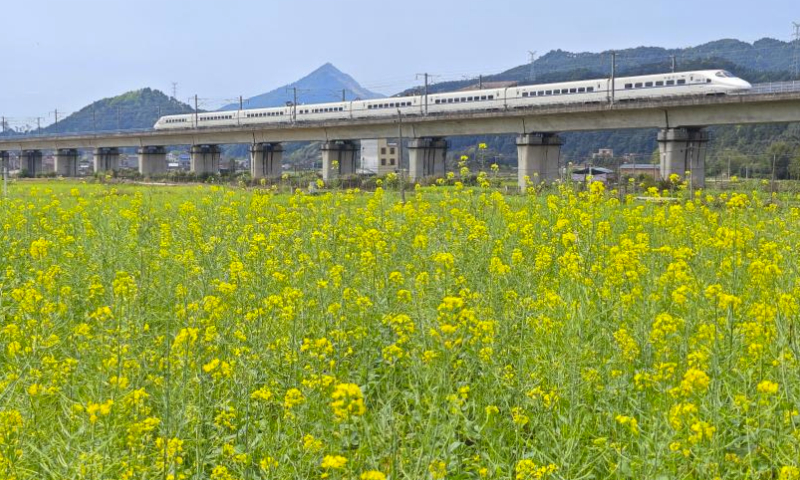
(379, 156)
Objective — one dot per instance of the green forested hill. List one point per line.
(132, 110)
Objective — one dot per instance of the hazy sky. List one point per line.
(67, 53)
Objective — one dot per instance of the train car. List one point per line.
(492, 99)
(258, 116)
(323, 111)
(175, 122)
(704, 82)
(586, 91)
(387, 107)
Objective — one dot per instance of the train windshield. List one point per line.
(725, 74)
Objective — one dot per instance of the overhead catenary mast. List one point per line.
(796, 41)
(532, 58)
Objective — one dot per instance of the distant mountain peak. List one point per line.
(324, 84)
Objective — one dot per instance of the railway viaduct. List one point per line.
(682, 138)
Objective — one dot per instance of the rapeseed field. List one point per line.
(224, 333)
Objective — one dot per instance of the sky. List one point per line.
(65, 54)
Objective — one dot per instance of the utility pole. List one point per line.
(796, 40)
(400, 156)
(729, 166)
(5, 157)
(196, 115)
(119, 120)
(56, 115)
(672, 60)
(613, 74)
(480, 82)
(294, 105)
(532, 57)
(772, 180)
(425, 91)
(241, 103)
(344, 95)
(175, 90)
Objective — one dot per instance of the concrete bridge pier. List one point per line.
(426, 158)
(66, 162)
(204, 159)
(31, 162)
(106, 159)
(344, 154)
(265, 160)
(684, 150)
(152, 160)
(5, 159)
(537, 158)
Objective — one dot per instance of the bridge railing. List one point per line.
(775, 87)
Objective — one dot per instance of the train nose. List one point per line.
(743, 84)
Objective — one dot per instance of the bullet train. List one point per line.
(703, 82)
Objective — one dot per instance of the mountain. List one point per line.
(132, 110)
(324, 84)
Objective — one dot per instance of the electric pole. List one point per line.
(796, 40)
(532, 57)
(294, 105)
(480, 82)
(400, 156)
(425, 94)
(613, 74)
(196, 116)
(175, 90)
(672, 60)
(241, 103)
(344, 95)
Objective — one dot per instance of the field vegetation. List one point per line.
(207, 332)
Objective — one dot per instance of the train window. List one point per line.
(548, 92)
(638, 85)
(670, 82)
(483, 97)
(573, 90)
(648, 84)
(437, 101)
(681, 81)
(660, 83)
(540, 93)
(581, 90)
(708, 80)
(590, 89)
(628, 86)
(524, 94)
(491, 97)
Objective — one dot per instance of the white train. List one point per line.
(704, 82)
